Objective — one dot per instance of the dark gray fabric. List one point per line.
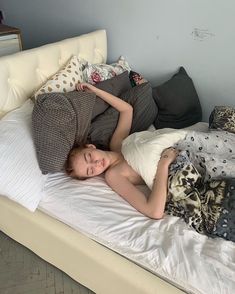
(145, 112)
(116, 85)
(60, 121)
(145, 109)
(102, 128)
(177, 101)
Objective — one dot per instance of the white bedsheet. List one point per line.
(166, 247)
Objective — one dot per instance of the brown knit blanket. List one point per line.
(60, 121)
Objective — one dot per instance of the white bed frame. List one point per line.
(91, 264)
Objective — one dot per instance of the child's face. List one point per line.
(89, 162)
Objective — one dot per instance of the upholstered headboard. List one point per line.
(22, 73)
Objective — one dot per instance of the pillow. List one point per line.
(95, 73)
(145, 111)
(136, 78)
(178, 102)
(20, 177)
(142, 150)
(223, 118)
(60, 121)
(115, 86)
(66, 79)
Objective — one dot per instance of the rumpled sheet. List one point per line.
(166, 247)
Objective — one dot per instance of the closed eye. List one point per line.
(90, 171)
(87, 157)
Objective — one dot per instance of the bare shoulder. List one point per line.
(123, 170)
(117, 170)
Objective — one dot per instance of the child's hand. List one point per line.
(169, 155)
(85, 87)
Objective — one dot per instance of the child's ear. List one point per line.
(90, 146)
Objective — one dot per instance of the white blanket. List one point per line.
(142, 150)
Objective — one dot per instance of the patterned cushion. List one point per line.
(223, 118)
(136, 78)
(95, 73)
(145, 111)
(66, 79)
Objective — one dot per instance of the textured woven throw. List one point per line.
(60, 121)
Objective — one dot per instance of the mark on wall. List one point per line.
(201, 34)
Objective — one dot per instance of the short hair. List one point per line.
(69, 162)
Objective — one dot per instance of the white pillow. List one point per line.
(20, 177)
(142, 150)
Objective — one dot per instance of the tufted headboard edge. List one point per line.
(24, 72)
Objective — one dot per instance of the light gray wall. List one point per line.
(156, 36)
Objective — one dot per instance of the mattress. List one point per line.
(167, 247)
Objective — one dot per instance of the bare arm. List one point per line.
(154, 205)
(125, 114)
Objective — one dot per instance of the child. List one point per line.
(87, 161)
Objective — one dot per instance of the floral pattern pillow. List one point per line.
(95, 73)
(136, 78)
(66, 79)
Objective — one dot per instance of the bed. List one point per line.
(83, 256)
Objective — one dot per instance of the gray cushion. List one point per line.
(145, 109)
(60, 121)
(115, 86)
(177, 101)
(145, 112)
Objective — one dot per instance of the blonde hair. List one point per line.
(69, 162)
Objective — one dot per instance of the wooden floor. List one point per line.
(23, 272)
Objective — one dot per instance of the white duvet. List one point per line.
(142, 150)
(165, 247)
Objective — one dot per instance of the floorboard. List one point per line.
(23, 272)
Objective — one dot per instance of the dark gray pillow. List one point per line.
(116, 86)
(178, 102)
(145, 109)
(145, 112)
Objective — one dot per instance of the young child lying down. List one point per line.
(191, 169)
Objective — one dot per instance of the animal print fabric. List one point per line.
(203, 172)
(204, 205)
(212, 153)
(223, 118)
(225, 226)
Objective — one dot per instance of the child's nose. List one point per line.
(97, 162)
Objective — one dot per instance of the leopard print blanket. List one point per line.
(207, 206)
(223, 118)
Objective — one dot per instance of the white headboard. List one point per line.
(22, 73)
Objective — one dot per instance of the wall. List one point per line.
(156, 36)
